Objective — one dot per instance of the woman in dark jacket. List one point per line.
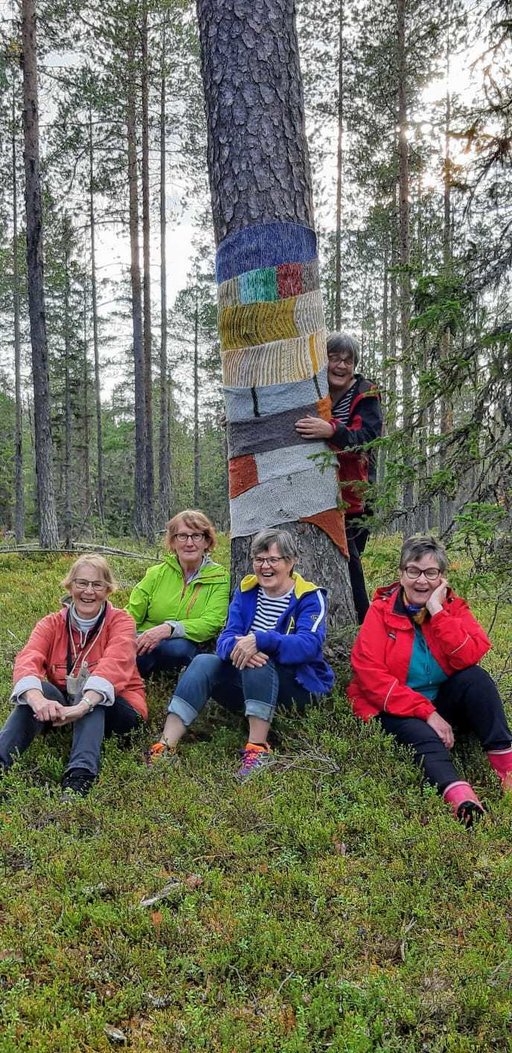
(270, 652)
(415, 665)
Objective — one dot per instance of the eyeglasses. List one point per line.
(339, 357)
(272, 561)
(184, 537)
(82, 583)
(431, 573)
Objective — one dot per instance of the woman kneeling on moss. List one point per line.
(78, 667)
(415, 669)
(269, 654)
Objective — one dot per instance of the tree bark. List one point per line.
(446, 504)
(100, 482)
(164, 456)
(339, 173)
(19, 508)
(405, 278)
(257, 153)
(68, 422)
(146, 250)
(196, 402)
(140, 516)
(259, 174)
(46, 508)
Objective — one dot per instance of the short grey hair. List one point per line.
(423, 545)
(345, 344)
(282, 538)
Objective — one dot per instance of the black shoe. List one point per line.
(469, 812)
(77, 781)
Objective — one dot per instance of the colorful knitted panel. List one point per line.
(273, 347)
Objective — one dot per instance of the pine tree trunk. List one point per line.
(405, 278)
(196, 402)
(19, 509)
(339, 173)
(146, 240)
(46, 508)
(164, 460)
(140, 516)
(68, 422)
(446, 504)
(100, 482)
(259, 175)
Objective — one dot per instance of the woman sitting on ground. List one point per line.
(78, 667)
(269, 654)
(183, 601)
(415, 669)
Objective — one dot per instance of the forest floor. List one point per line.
(331, 903)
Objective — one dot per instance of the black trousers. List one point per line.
(357, 536)
(469, 701)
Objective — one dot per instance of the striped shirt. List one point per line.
(269, 610)
(341, 411)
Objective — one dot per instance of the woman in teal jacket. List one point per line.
(183, 601)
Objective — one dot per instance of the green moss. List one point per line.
(330, 904)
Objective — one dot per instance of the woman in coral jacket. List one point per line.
(269, 654)
(78, 667)
(415, 665)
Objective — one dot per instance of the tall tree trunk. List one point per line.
(446, 504)
(405, 278)
(140, 512)
(164, 463)
(196, 402)
(19, 508)
(46, 508)
(339, 171)
(100, 482)
(146, 243)
(263, 217)
(68, 414)
(86, 462)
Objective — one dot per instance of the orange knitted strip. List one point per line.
(332, 522)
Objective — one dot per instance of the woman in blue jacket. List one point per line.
(269, 654)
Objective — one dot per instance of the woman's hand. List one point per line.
(437, 597)
(314, 428)
(45, 710)
(442, 728)
(244, 649)
(71, 713)
(150, 639)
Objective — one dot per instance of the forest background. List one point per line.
(408, 109)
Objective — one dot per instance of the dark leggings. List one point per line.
(357, 536)
(469, 701)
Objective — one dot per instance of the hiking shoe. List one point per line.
(160, 752)
(76, 783)
(254, 758)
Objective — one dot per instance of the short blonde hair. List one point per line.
(100, 565)
(193, 520)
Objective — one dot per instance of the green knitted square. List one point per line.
(258, 286)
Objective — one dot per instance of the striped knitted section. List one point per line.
(270, 284)
(244, 403)
(283, 500)
(274, 361)
(278, 362)
(259, 323)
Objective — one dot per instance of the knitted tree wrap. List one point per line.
(274, 361)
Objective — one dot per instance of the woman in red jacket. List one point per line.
(78, 667)
(415, 665)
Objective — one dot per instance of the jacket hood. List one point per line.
(208, 571)
(300, 585)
